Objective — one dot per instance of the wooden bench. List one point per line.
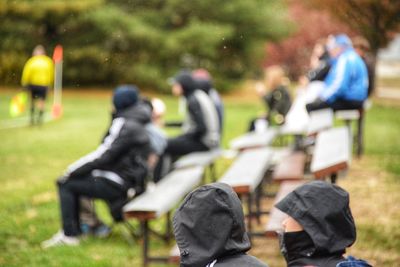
(160, 201)
(253, 140)
(290, 167)
(276, 216)
(205, 159)
(320, 120)
(331, 153)
(245, 175)
(354, 115)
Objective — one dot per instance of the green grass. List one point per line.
(31, 158)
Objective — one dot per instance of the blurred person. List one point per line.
(210, 231)
(345, 86)
(277, 99)
(362, 48)
(116, 169)
(37, 77)
(319, 62)
(200, 128)
(319, 227)
(90, 222)
(205, 83)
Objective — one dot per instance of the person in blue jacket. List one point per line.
(346, 85)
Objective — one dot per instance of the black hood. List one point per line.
(139, 112)
(203, 84)
(209, 225)
(185, 79)
(323, 211)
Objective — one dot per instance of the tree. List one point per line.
(294, 52)
(375, 20)
(144, 41)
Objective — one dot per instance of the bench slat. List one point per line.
(175, 256)
(290, 168)
(320, 120)
(253, 139)
(247, 171)
(198, 159)
(276, 216)
(167, 193)
(331, 153)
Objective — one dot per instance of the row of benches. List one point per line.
(245, 175)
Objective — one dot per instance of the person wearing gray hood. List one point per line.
(319, 228)
(210, 231)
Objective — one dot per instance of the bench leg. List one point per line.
(145, 232)
(333, 178)
(168, 227)
(360, 136)
(250, 214)
(259, 192)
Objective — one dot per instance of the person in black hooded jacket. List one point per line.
(319, 228)
(200, 128)
(210, 231)
(116, 167)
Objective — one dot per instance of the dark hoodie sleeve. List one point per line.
(119, 141)
(198, 118)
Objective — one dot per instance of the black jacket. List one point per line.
(209, 226)
(278, 101)
(323, 211)
(123, 151)
(320, 72)
(202, 122)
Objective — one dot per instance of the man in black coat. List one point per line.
(319, 228)
(117, 166)
(210, 231)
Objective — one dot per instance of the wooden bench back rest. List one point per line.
(253, 139)
(167, 193)
(247, 171)
(291, 167)
(331, 152)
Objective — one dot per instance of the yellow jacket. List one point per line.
(38, 70)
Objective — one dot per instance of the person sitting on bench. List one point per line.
(277, 100)
(210, 231)
(319, 228)
(111, 172)
(200, 129)
(346, 85)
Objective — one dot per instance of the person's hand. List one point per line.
(260, 89)
(303, 81)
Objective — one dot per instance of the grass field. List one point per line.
(31, 158)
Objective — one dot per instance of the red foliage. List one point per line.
(294, 52)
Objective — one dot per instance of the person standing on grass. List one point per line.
(37, 77)
(200, 129)
(319, 227)
(116, 169)
(210, 231)
(346, 84)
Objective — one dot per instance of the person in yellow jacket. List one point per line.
(37, 77)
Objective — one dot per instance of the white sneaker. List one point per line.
(60, 239)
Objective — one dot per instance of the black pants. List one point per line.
(176, 147)
(94, 187)
(339, 104)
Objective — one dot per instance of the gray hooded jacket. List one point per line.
(210, 231)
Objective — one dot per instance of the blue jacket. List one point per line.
(347, 78)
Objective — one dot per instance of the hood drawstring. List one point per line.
(212, 264)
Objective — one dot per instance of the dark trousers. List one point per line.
(72, 189)
(176, 147)
(339, 104)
